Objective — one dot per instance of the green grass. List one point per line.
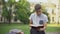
(4, 28)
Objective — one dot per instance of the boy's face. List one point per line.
(38, 12)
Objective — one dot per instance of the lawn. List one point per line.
(4, 28)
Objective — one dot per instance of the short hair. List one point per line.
(37, 7)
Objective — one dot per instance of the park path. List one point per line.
(53, 33)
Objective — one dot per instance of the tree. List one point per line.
(7, 12)
(23, 11)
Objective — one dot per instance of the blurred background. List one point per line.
(15, 14)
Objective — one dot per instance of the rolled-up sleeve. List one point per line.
(46, 19)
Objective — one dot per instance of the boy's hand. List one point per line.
(42, 29)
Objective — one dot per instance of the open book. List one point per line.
(36, 25)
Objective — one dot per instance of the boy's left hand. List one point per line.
(42, 29)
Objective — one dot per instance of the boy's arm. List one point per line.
(30, 23)
(44, 28)
(45, 23)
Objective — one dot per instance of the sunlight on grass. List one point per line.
(54, 25)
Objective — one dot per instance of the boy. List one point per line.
(38, 21)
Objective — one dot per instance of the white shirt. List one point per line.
(37, 20)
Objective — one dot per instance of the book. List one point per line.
(36, 25)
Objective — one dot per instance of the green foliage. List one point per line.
(5, 12)
(23, 11)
